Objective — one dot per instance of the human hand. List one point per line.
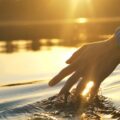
(92, 62)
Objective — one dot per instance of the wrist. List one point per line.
(114, 47)
(117, 36)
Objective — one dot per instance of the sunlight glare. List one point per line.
(74, 3)
(88, 88)
(82, 20)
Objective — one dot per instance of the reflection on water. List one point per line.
(19, 84)
(101, 107)
(11, 46)
(26, 66)
(24, 75)
(56, 109)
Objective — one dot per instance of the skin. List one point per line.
(92, 62)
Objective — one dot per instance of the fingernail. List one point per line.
(50, 84)
(68, 62)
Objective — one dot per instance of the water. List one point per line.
(24, 76)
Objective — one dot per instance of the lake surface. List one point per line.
(24, 76)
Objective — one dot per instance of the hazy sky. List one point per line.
(57, 9)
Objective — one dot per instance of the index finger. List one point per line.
(76, 55)
(66, 71)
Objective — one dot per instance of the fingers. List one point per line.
(81, 85)
(66, 71)
(70, 82)
(93, 90)
(75, 55)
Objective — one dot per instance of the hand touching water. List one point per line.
(92, 62)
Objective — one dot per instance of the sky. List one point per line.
(57, 9)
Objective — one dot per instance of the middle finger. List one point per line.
(71, 81)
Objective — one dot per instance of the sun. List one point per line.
(82, 20)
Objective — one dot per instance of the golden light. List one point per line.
(82, 20)
(74, 3)
(90, 6)
(82, 117)
(83, 36)
(88, 88)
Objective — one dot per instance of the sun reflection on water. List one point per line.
(87, 88)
